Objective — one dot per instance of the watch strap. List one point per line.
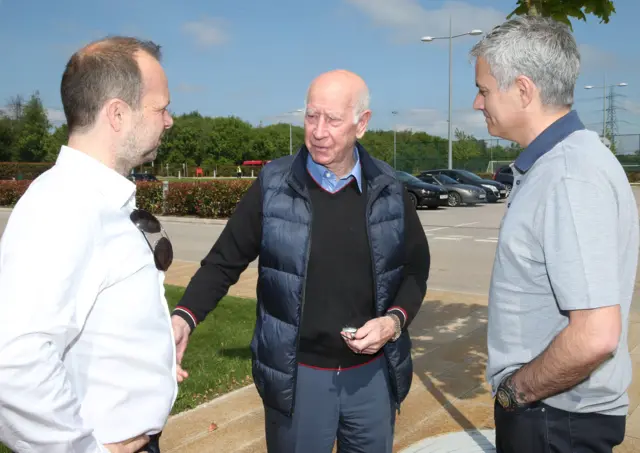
(397, 326)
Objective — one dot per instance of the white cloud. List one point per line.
(208, 32)
(592, 57)
(435, 122)
(409, 21)
(294, 117)
(56, 116)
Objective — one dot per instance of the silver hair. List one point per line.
(539, 48)
(361, 105)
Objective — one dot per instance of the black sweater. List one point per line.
(339, 285)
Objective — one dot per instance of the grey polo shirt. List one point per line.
(568, 241)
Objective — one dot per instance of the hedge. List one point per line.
(23, 170)
(210, 199)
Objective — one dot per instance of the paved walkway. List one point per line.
(448, 409)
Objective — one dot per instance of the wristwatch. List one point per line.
(397, 326)
(506, 397)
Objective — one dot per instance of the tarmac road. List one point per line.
(462, 242)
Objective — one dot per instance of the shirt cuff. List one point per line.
(187, 315)
(400, 313)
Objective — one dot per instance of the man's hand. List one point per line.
(369, 338)
(181, 332)
(128, 446)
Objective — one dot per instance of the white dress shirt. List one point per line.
(87, 354)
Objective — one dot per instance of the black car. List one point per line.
(142, 177)
(495, 190)
(458, 193)
(423, 194)
(505, 176)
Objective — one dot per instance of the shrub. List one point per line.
(149, 196)
(212, 199)
(23, 170)
(634, 176)
(11, 191)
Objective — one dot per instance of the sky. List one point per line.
(255, 59)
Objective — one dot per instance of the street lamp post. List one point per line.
(450, 38)
(604, 100)
(394, 113)
(292, 112)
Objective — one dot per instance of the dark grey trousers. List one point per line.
(353, 406)
(547, 429)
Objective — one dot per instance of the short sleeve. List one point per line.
(580, 242)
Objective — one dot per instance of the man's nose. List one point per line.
(478, 102)
(320, 131)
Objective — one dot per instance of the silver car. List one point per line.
(458, 193)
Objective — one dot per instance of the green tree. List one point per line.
(465, 147)
(563, 10)
(31, 145)
(55, 141)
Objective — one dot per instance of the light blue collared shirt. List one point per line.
(328, 180)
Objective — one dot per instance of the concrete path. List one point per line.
(449, 392)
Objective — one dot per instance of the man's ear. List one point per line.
(527, 90)
(117, 112)
(361, 127)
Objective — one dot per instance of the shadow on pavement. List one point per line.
(450, 353)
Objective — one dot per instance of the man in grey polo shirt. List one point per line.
(565, 265)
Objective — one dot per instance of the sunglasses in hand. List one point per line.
(162, 250)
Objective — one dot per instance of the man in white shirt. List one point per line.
(87, 357)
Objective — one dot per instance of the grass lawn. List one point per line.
(218, 358)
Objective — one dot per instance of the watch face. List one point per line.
(503, 398)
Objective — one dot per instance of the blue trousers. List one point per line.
(353, 406)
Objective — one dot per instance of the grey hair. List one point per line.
(360, 106)
(539, 48)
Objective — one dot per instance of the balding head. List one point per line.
(104, 69)
(344, 85)
(115, 96)
(336, 115)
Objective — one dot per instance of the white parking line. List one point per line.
(465, 224)
(486, 240)
(436, 229)
(447, 238)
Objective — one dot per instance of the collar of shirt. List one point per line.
(328, 180)
(117, 190)
(550, 137)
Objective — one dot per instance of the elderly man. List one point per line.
(566, 258)
(86, 352)
(340, 245)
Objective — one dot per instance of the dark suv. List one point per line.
(494, 189)
(423, 194)
(505, 176)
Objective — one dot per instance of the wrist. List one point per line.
(395, 327)
(185, 315)
(510, 395)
